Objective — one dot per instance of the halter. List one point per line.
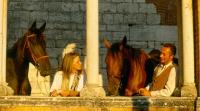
(27, 44)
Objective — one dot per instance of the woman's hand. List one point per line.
(144, 92)
(64, 93)
(54, 93)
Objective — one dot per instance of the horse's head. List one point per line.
(34, 49)
(115, 57)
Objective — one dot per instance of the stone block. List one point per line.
(54, 52)
(79, 0)
(121, 1)
(118, 18)
(139, 1)
(102, 27)
(21, 15)
(54, 63)
(103, 50)
(50, 43)
(66, 6)
(130, 19)
(108, 19)
(39, 16)
(58, 26)
(117, 28)
(77, 17)
(24, 24)
(82, 7)
(156, 32)
(30, 6)
(118, 36)
(56, 6)
(147, 8)
(107, 8)
(139, 44)
(75, 7)
(59, 17)
(14, 6)
(102, 1)
(105, 34)
(127, 8)
(10, 43)
(151, 44)
(61, 43)
(82, 27)
(141, 19)
(54, 34)
(153, 19)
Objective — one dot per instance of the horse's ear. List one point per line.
(42, 28)
(124, 41)
(107, 43)
(33, 27)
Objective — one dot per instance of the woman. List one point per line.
(70, 79)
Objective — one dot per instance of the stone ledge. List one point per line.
(27, 103)
(99, 102)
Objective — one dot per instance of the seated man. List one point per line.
(164, 77)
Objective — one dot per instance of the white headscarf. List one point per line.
(71, 47)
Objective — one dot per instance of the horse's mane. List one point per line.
(115, 48)
(16, 51)
(130, 51)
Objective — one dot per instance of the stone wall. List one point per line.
(66, 23)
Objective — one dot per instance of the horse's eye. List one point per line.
(37, 64)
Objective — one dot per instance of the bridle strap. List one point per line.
(42, 57)
(35, 59)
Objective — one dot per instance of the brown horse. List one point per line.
(30, 48)
(151, 63)
(125, 68)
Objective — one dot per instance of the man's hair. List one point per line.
(172, 47)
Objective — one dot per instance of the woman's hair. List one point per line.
(67, 63)
(67, 68)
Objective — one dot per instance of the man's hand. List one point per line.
(64, 93)
(144, 92)
(73, 93)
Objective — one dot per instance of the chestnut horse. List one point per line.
(125, 68)
(30, 48)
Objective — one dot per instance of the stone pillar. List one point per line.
(188, 88)
(3, 34)
(196, 9)
(92, 88)
(4, 89)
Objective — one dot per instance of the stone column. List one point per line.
(92, 88)
(188, 88)
(3, 34)
(4, 89)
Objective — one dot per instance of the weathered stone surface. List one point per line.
(21, 103)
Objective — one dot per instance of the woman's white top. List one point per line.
(57, 82)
